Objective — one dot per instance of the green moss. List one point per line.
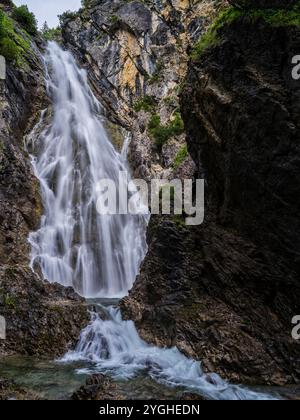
(147, 104)
(162, 133)
(180, 221)
(212, 37)
(12, 45)
(279, 17)
(180, 157)
(114, 19)
(9, 301)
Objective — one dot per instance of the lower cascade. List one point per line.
(115, 348)
(99, 256)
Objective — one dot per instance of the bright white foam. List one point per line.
(116, 349)
(99, 255)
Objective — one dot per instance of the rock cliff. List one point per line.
(32, 309)
(226, 292)
(218, 100)
(136, 56)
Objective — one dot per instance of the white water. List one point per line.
(98, 255)
(115, 348)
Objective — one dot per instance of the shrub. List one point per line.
(162, 133)
(8, 49)
(53, 34)
(26, 19)
(147, 104)
(180, 157)
(68, 15)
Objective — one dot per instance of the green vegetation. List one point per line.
(147, 104)
(12, 45)
(51, 34)
(180, 157)
(86, 3)
(212, 37)
(9, 301)
(180, 222)
(68, 15)
(162, 133)
(279, 17)
(26, 19)
(114, 19)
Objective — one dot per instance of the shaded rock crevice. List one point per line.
(226, 292)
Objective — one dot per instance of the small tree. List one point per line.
(45, 28)
(26, 19)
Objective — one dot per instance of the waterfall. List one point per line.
(99, 255)
(115, 348)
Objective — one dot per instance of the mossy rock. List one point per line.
(263, 4)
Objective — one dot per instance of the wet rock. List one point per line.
(41, 318)
(9, 390)
(136, 16)
(97, 388)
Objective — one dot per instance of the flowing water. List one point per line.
(98, 255)
(115, 348)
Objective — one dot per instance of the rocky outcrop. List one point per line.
(97, 388)
(41, 318)
(226, 292)
(9, 391)
(136, 56)
(21, 97)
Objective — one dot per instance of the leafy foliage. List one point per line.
(180, 157)
(162, 133)
(147, 104)
(26, 19)
(68, 15)
(51, 34)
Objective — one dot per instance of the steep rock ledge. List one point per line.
(41, 318)
(226, 292)
(135, 53)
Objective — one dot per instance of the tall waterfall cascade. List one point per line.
(99, 256)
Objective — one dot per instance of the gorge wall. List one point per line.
(136, 56)
(41, 318)
(217, 103)
(225, 292)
